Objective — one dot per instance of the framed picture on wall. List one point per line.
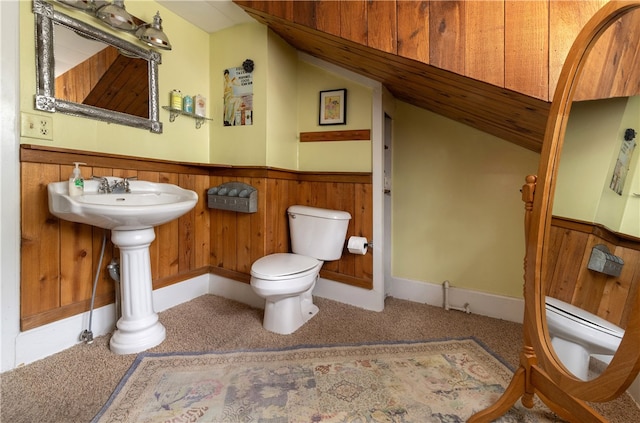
(333, 107)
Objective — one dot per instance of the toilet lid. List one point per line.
(282, 264)
(582, 316)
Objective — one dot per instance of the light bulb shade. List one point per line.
(86, 5)
(153, 35)
(116, 15)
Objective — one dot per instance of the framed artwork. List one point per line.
(333, 107)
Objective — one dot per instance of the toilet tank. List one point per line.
(318, 233)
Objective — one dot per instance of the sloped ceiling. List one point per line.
(509, 115)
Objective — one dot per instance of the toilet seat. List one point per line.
(285, 281)
(583, 317)
(576, 335)
(284, 266)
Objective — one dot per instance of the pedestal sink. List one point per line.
(131, 218)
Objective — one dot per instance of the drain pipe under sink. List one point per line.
(114, 272)
(465, 308)
(87, 335)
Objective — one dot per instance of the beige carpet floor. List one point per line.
(72, 385)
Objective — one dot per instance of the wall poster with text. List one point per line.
(622, 166)
(238, 97)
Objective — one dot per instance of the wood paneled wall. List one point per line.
(59, 258)
(612, 67)
(492, 65)
(416, 63)
(518, 45)
(241, 238)
(76, 83)
(569, 279)
(108, 80)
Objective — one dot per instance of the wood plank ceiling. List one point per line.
(504, 113)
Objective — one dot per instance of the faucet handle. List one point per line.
(125, 182)
(104, 184)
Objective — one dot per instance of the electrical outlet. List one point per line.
(36, 126)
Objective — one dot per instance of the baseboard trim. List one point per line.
(491, 305)
(369, 299)
(325, 288)
(49, 339)
(46, 340)
(234, 290)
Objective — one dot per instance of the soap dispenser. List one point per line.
(76, 183)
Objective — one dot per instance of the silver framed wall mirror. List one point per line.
(120, 78)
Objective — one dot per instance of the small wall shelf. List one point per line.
(173, 113)
(343, 135)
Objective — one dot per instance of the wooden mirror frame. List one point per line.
(46, 17)
(541, 372)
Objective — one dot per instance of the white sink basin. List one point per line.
(148, 204)
(131, 218)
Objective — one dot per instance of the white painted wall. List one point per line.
(9, 184)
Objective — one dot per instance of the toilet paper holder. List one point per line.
(359, 245)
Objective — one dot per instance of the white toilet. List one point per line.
(577, 334)
(285, 280)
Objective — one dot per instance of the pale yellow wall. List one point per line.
(631, 218)
(352, 156)
(591, 146)
(457, 209)
(285, 101)
(239, 145)
(285, 96)
(186, 67)
(282, 110)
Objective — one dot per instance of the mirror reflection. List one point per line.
(85, 71)
(97, 74)
(592, 254)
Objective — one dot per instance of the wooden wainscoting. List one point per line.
(238, 239)
(571, 281)
(59, 258)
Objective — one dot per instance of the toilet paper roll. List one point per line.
(357, 245)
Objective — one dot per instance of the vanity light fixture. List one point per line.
(153, 35)
(86, 5)
(116, 16)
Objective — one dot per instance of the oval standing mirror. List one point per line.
(580, 205)
(122, 86)
(593, 243)
(591, 259)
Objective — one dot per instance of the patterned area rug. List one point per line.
(443, 381)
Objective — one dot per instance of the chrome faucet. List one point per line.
(104, 187)
(121, 186)
(118, 187)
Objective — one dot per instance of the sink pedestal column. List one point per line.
(138, 328)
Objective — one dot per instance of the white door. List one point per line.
(387, 163)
